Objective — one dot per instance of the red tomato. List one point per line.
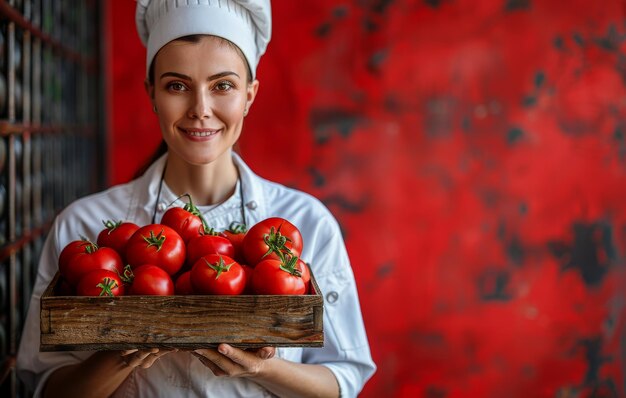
(156, 244)
(183, 284)
(187, 221)
(71, 249)
(100, 282)
(150, 280)
(116, 235)
(91, 258)
(217, 274)
(276, 277)
(248, 271)
(270, 239)
(305, 274)
(208, 244)
(235, 234)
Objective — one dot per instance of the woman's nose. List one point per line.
(200, 108)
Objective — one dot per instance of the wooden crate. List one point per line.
(183, 322)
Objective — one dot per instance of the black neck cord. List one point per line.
(241, 205)
(156, 204)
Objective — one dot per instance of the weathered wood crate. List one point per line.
(183, 322)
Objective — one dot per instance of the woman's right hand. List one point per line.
(143, 358)
(101, 374)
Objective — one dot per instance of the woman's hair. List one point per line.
(196, 39)
(160, 151)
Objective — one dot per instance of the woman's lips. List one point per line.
(200, 133)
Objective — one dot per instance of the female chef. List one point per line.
(201, 65)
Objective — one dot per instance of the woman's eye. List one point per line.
(224, 86)
(175, 86)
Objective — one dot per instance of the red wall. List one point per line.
(474, 153)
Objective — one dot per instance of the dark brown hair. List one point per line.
(196, 39)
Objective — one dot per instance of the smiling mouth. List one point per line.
(201, 133)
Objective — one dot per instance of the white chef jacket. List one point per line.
(346, 351)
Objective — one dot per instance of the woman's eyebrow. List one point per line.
(212, 77)
(174, 74)
(222, 74)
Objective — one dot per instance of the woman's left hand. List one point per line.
(227, 360)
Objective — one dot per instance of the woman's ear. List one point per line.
(251, 94)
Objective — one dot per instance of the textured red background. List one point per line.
(474, 153)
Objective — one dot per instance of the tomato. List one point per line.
(305, 274)
(183, 284)
(235, 234)
(156, 244)
(217, 274)
(187, 221)
(248, 271)
(91, 258)
(116, 235)
(271, 238)
(100, 282)
(72, 248)
(208, 244)
(277, 277)
(150, 280)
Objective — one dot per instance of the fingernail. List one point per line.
(222, 350)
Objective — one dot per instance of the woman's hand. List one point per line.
(280, 377)
(234, 362)
(143, 358)
(100, 374)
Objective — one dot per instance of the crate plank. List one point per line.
(183, 322)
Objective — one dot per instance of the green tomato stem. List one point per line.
(219, 266)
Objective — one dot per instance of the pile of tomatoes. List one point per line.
(182, 255)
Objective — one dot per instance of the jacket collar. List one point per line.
(144, 197)
(252, 189)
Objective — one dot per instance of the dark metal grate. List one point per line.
(50, 136)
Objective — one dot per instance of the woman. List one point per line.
(201, 80)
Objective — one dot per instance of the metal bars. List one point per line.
(50, 124)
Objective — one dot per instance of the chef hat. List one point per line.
(246, 23)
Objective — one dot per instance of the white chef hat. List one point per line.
(246, 23)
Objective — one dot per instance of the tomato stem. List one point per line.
(289, 265)
(153, 240)
(276, 243)
(209, 231)
(127, 276)
(90, 247)
(111, 225)
(236, 227)
(107, 285)
(193, 209)
(219, 266)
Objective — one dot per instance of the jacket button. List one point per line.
(332, 297)
(251, 205)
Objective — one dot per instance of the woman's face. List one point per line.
(200, 93)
